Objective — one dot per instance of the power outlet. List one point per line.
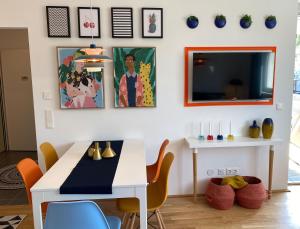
(232, 171)
(221, 172)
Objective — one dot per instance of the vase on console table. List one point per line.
(267, 128)
(254, 130)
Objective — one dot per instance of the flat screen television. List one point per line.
(229, 75)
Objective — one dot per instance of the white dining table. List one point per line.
(130, 179)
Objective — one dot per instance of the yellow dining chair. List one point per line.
(157, 194)
(50, 155)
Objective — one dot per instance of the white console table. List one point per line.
(196, 144)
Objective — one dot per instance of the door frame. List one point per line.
(2, 108)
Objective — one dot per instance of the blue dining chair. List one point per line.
(79, 215)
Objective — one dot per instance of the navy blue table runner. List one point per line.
(93, 177)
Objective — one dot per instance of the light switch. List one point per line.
(279, 106)
(49, 119)
(47, 95)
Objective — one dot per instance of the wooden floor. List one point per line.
(282, 211)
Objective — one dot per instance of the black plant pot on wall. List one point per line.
(220, 21)
(246, 21)
(271, 22)
(192, 22)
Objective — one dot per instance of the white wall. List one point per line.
(170, 119)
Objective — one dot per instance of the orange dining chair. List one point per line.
(50, 154)
(30, 173)
(154, 169)
(157, 194)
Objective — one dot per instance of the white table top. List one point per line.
(194, 143)
(131, 170)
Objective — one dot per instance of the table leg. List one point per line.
(141, 193)
(37, 210)
(195, 173)
(271, 158)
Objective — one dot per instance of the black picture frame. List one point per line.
(80, 30)
(122, 22)
(145, 23)
(58, 22)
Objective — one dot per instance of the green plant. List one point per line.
(220, 17)
(192, 18)
(271, 17)
(247, 18)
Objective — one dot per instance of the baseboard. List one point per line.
(200, 195)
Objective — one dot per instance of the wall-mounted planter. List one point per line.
(220, 21)
(270, 22)
(192, 22)
(246, 21)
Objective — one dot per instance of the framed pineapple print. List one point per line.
(135, 76)
(152, 22)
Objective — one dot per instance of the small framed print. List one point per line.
(152, 22)
(89, 22)
(58, 21)
(122, 22)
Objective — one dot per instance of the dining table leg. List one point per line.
(37, 210)
(141, 193)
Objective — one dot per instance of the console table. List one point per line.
(195, 145)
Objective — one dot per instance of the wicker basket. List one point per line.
(253, 194)
(219, 196)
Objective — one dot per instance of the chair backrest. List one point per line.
(159, 189)
(50, 155)
(75, 215)
(30, 173)
(154, 169)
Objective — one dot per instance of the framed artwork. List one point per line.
(152, 22)
(135, 76)
(58, 21)
(88, 22)
(78, 88)
(122, 22)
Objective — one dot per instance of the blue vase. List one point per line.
(192, 22)
(220, 22)
(245, 24)
(270, 23)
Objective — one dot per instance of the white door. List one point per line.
(18, 100)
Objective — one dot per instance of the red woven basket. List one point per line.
(219, 196)
(253, 194)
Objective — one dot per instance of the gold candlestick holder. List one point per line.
(108, 152)
(97, 152)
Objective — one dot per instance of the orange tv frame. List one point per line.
(188, 103)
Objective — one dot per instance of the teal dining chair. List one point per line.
(78, 215)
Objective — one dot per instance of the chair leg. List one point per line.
(161, 219)
(158, 219)
(125, 219)
(132, 221)
(128, 221)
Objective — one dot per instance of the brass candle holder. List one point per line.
(97, 152)
(108, 152)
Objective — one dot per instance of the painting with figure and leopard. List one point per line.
(134, 77)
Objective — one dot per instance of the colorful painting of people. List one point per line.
(135, 77)
(78, 88)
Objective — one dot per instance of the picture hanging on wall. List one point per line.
(58, 21)
(89, 22)
(152, 22)
(135, 76)
(78, 88)
(122, 22)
